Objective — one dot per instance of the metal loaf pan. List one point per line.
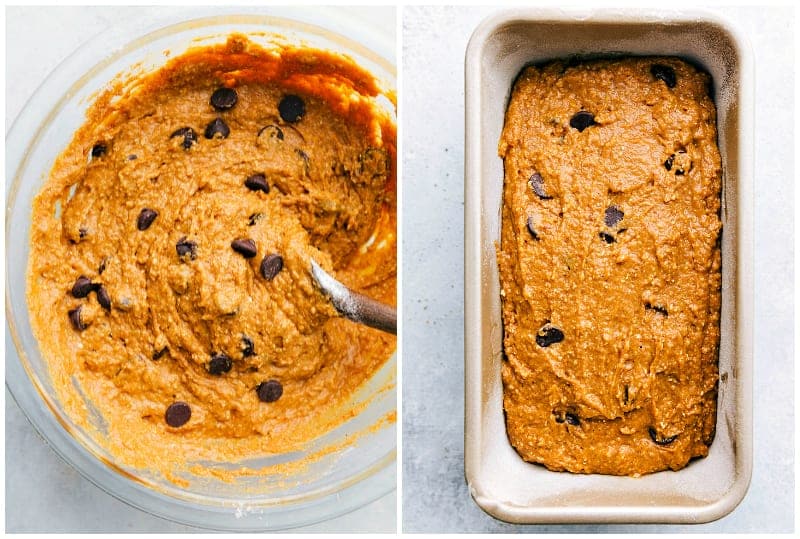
(499, 480)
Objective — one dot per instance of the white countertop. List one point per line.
(435, 496)
(43, 493)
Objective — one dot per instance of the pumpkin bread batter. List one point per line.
(610, 265)
(169, 278)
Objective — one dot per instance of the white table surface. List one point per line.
(43, 493)
(435, 496)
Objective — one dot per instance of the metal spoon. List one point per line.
(354, 306)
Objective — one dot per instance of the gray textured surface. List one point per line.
(435, 496)
(43, 493)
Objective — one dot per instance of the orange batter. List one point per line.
(610, 266)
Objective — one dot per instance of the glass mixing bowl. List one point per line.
(357, 463)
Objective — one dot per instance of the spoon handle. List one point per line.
(359, 308)
(354, 306)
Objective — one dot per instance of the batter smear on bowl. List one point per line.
(169, 279)
(610, 265)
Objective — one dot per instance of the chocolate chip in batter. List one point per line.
(245, 247)
(83, 285)
(269, 391)
(665, 73)
(549, 335)
(177, 414)
(103, 298)
(75, 318)
(133, 157)
(186, 248)
(613, 216)
(304, 156)
(103, 264)
(668, 163)
(608, 238)
(188, 134)
(220, 363)
(656, 308)
(682, 163)
(537, 184)
(158, 354)
(224, 98)
(146, 218)
(658, 440)
(217, 128)
(254, 218)
(257, 182)
(292, 108)
(272, 131)
(248, 348)
(83, 232)
(271, 266)
(99, 150)
(531, 228)
(581, 120)
(562, 416)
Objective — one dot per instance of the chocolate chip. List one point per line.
(257, 182)
(531, 229)
(177, 414)
(269, 391)
(75, 318)
(83, 232)
(188, 134)
(608, 238)
(271, 266)
(217, 127)
(103, 264)
(304, 156)
(682, 163)
(658, 440)
(103, 298)
(665, 73)
(669, 161)
(146, 218)
(537, 184)
(570, 417)
(272, 131)
(626, 395)
(549, 335)
(291, 109)
(224, 98)
(248, 349)
(133, 157)
(158, 354)
(186, 248)
(219, 364)
(245, 247)
(83, 285)
(656, 308)
(613, 215)
(581, 120)
(99, 149)
(254, 218)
